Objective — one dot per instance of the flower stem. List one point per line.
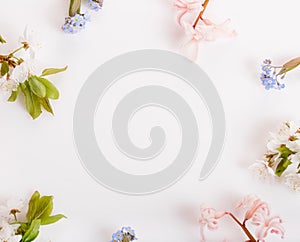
(200, 16)
(247, 232)
(15, 51)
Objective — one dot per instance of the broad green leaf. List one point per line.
(32, 232)
(2, 41)
(290, 65)
(52, 219)
(46, 104)
(74, 7)
(51, 90)
(32, 206)
(51, 71)
(33, 105)
(37, 87)
(14, 95)
(285, 153)
(4, 68)
(44, 207)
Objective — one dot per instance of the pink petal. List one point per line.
(190, 49)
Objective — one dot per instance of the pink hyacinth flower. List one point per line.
(266, 224)
(208, 218)
(204, 31)
(186, 6)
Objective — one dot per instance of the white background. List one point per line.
(41, 154)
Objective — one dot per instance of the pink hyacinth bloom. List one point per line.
(186, 6)
(204, 31)
(253, 205)
(208, 218)
(266, 224)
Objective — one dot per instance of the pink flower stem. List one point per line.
(243, 226)
(200, 16)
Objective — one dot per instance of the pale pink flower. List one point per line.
(186, 6)
(253, 205)
(204, 31)
(266, 224)
(247, 201)
(208, 218)
(211, 31)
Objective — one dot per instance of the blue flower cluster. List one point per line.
(95, 5)
(125, 232)
(76, 23)
(269, 77)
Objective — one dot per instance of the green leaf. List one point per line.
(285, 153)
(37, 87)
(4, 68)
(74, 7)
(44, 207)
(290, 65)
(33, 105)
(52, 219)
(32, 232)
(2, 41)
(46, 104)
(51, 71)
(14, 95)
(32, 206)
(51, 90)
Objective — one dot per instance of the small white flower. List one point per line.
(30, 38)
(7, 86)
(23, 71)
(262, 171)
(13, 204)
(292, 181)
(8, 232)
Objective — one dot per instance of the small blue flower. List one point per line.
(68, 28)
(87, 16)
(77, 20)
(128, 230)
(94, 5)
(266, 69)
(269, 83)
(281, 86)
(118, 236)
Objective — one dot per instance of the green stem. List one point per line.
(15, 51)
(243, 226)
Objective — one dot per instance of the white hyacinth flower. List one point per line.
(8, 232)
(7, 86)
(262, 171)
(292, 181)
(24, 70)
(30, 39)
(13, 204)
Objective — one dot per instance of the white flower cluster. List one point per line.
(282, 161)
(20, 73)
(7, 229)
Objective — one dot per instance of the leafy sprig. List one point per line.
(39, 213)
(37, 91)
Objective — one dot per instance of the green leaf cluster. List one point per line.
(37, 91)
(285, 161)
(38, 214)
